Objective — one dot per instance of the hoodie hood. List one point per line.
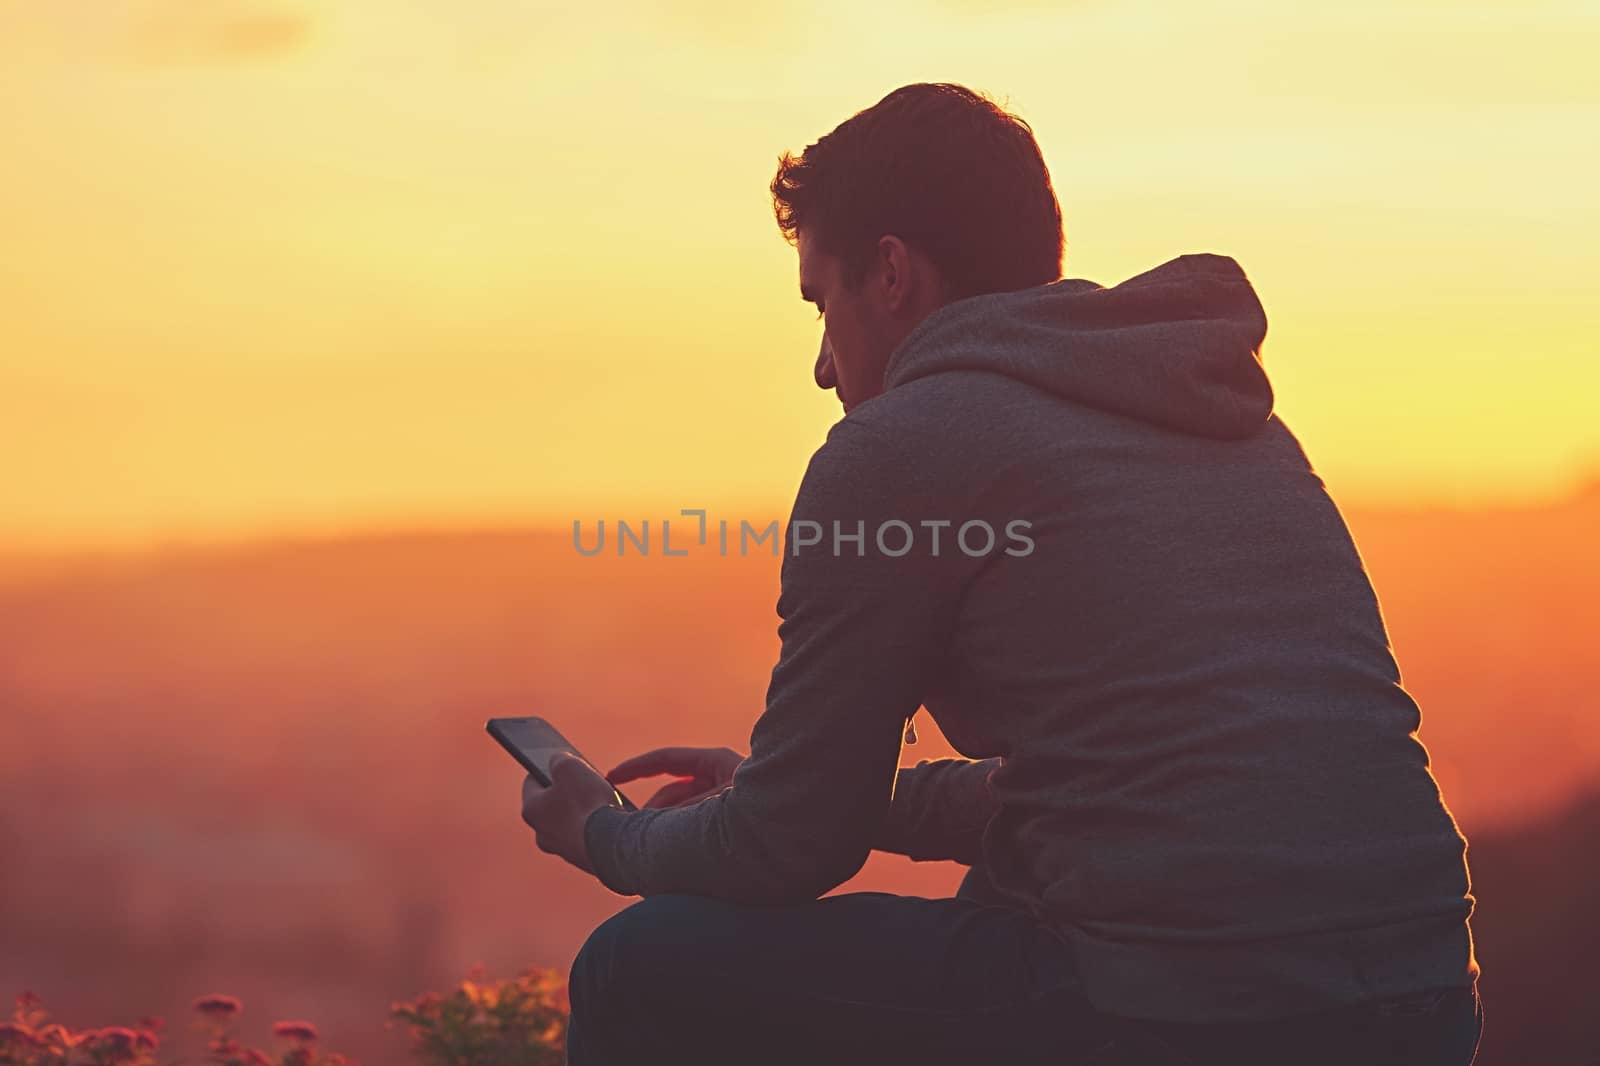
(1178, 346)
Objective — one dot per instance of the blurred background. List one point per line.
(320, 324)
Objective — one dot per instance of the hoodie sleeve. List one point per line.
(859, 630)
(940, 810)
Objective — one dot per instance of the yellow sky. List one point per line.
(275, 266)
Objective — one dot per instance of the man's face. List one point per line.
(856, 338)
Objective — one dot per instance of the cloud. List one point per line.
(214, 31)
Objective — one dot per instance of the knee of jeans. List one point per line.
(628, 946)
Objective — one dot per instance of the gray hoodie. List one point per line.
(1072, 528)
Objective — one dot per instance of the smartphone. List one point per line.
(532, 742)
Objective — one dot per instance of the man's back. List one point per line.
(1211, 782)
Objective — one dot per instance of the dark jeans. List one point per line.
(883, 979)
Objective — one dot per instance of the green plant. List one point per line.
(521, 1021)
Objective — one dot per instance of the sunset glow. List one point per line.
(284, 266)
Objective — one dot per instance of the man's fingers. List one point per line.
(532, 798)
(557, 814)
(680, 792)
(679, 762)
(567, 768)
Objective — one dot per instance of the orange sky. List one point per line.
(273, 265)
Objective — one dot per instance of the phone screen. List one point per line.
(533, 742)
(535, 739)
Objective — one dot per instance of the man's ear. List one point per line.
(895, 259)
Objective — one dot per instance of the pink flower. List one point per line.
(154, 1023)
(304, 1032)
(218, 1006)
(254, 1057)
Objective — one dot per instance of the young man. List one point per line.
(1201, 825)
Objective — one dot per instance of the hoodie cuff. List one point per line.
(600, 832)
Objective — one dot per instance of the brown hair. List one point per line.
(944, 169)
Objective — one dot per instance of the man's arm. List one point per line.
(940, 810)
(860, 634)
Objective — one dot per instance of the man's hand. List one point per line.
(701, 772)
(557, 814)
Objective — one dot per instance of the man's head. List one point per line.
(931, 195)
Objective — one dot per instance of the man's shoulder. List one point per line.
(957, 411)
(957, 388)
(936, 442)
